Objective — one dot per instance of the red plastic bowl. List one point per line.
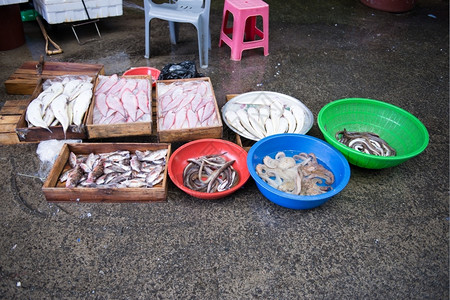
(178, 161)
(144, 71)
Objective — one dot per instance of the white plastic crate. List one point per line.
(61, 11)
(9, 2)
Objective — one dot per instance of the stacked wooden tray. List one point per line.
(10, 115)
(26, 78)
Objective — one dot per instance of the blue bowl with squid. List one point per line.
(297, 171)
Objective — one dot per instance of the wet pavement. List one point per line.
(385, 236)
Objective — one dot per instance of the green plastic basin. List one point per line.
(399, 128)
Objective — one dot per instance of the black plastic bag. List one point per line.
(185, 69)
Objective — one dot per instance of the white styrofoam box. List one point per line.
(9, 2)
(61, 11)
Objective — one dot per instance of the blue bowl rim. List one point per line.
(261, 183)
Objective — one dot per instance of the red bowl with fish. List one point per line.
(230, 151)
(144, 71)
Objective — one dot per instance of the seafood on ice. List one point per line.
(210, 174)
(365, 142)
(122, 100)
(256, 117)
(300, 174)
(186, 104)
(117, 169)
(63, 101)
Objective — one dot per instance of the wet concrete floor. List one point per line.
(385, 236)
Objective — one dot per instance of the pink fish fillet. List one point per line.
(209, 110)
(168, 120)
(163, 102)
(100, 103)
(139, 114)
(107, 120)
(130, 103)
(202, 88)
(118, 118)
(145, 118)
(186, 100)
(192, 118)
(96, 118)
(195, 104)
(143, 102)
(180, 118)
(211, 120)
(172, 92)
(185, 124)
(174, 103)
(115, 104)
(143, 85)
(107, 84)
(115, 89)
(200, 114)
(130, 85)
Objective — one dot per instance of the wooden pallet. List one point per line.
(25, 79)
(9, 117)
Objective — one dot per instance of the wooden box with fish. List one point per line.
(57, 109)
(109, 172)
(186, 110)
(122, 106)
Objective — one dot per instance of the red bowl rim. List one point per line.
(210, 196)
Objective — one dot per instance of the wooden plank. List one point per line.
(8, 119)
(26, 78)
(55, 191)
(8, 128)
(10, 115)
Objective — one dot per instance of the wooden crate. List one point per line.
(55, 191)
(26, 78)
(10, 115)
(240, 140)
(37, 134)
(189, 134)
(95, 131)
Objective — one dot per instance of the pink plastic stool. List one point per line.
(244, 22)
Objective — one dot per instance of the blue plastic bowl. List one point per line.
(291, 144)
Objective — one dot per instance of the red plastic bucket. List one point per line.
(144, 71)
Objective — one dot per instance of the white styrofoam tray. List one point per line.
(61, 11)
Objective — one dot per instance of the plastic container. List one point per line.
(178, 161)
(28, 15)
(292, 143)
(399, 128)
(144, 71)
